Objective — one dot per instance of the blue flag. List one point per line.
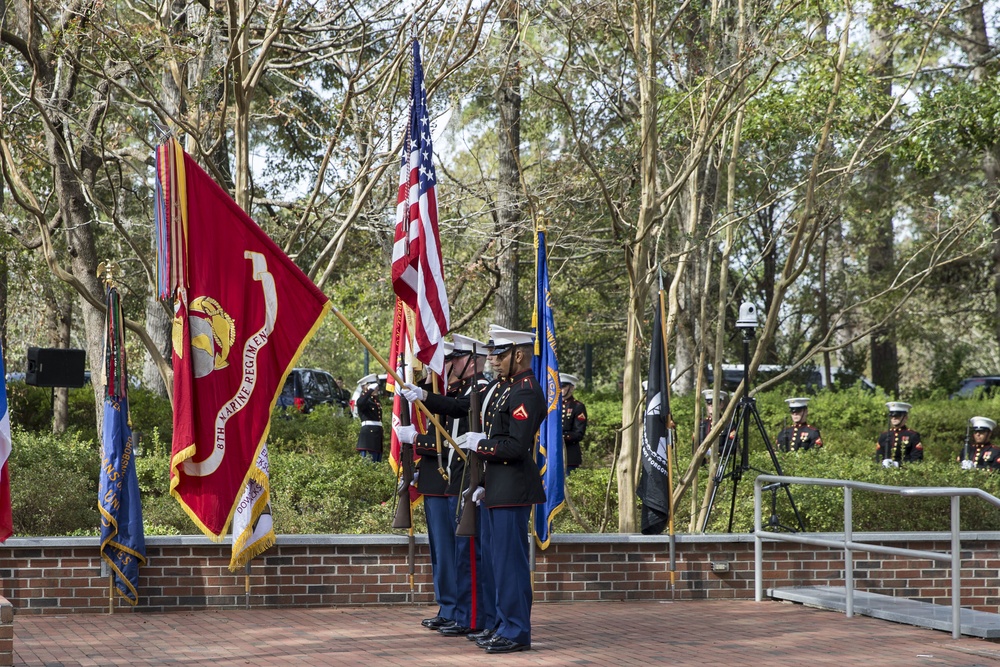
(123, 545)
(550, 439)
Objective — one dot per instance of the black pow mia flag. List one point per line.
(654, 489)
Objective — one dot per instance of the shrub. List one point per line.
(821, 508)
(597, 504)
(30, 407)
(53, 481)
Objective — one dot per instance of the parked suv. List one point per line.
(808, 378)
(969, 386)
(305, 388)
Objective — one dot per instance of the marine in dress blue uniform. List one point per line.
(705, 426)
(984, 455)
(512, 483)
(370, 412)
(801, 435)
(899, 444)
(453, 558)
(574, 422)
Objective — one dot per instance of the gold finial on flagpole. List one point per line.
(110, 272)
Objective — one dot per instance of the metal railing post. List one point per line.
(758, 544)
(848, 554)
(850, 546)
(956, 569)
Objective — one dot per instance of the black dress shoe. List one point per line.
(434, 623)
(445, 626)
(455, 630)
(486, 641)
(504, 645)
(479, 634)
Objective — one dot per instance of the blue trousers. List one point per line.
(464, 569)
(512, 571)
(441, 538)
(375, 457)
(486, 589)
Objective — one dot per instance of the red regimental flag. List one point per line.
(399, 355)
(239, 327)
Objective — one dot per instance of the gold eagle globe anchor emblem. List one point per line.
(213, 332)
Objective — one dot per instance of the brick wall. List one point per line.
(6, 633)
(60, 575)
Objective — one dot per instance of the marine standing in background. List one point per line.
(574, 422)
(370, 413)
(899, 444)
(800, 435)
(512, 483)
(984, 454)
(706, 425)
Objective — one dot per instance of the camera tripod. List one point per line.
(737, 451)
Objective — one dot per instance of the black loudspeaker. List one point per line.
(55, 367)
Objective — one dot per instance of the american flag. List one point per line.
(417, 270)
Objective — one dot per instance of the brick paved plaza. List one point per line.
(731, 633)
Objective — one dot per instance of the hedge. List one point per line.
(320, 485)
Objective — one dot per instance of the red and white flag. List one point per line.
(401, 356)
(417, 267)
(6, 516)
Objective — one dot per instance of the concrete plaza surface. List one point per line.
(730, 633)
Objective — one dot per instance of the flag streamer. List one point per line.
(123, 542)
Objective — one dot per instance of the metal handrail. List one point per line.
(849, 545)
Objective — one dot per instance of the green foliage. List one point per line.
(604, 420)
(331, 493)
(30, 407)
(321, 429)
(596, 502)
(821, 508)
(320, 485)
(53, 481)
(151, 413)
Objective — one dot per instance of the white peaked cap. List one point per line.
(897, 406)
(566, 378)
(707, 395)
(983, 422)
(794, 403)
(368, 379)
(500, 337)
(465, 344)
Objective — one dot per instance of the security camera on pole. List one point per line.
(740, 428)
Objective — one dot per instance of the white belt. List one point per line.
(371, 424)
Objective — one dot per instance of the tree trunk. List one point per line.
(879, 200)
(978, 50)
(637, 254)
(83, 254)
(508, 172)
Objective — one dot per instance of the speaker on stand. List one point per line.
(55, 367)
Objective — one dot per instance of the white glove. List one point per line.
(887, 463)
(416, 476)
(406, 434)
(412, 392)
(470, 441)
(478, 495)
(968, 464)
